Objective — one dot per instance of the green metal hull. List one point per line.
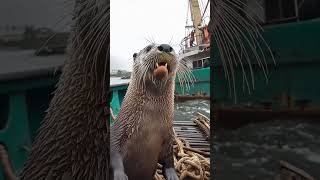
(200, 86)
(118, 93)
(23, 106)
(295, 77)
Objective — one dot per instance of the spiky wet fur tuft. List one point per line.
(72, 142)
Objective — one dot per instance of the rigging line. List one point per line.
(185, 31)
(202, 5)
(205, 9)
(188, 12)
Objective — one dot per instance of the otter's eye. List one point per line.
(148, 48)
(134, 55)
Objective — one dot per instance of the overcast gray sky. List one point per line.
(134, 21)
(53, 14)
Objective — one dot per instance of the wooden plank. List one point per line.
(196, 138)
(200, 144)
(295, 171)
(193, 138)
(183, 123)
(197, 151)
(185, 135)
(196, 141)
(199, 147)
(187, 128)
(199, 136)
(190, 132)
(204, 149)
(186, 131)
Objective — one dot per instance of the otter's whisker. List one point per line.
(235, 30)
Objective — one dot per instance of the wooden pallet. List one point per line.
(191, 132)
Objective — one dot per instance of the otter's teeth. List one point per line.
(166, 65)
(157, 65)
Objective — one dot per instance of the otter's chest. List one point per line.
(149, 127)
(142, 152)
(148, 137)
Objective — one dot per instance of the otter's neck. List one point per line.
(154, 91)
(139, 99)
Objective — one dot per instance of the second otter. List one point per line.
(142, 134)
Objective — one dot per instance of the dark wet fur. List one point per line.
(73, 139)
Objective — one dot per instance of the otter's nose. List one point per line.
(165, 48)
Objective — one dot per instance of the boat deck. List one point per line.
(193, 134)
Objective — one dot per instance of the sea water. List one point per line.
(254, 151)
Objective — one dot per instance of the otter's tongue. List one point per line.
(161, 71)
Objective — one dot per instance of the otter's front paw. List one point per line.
(171, 174)
(119, 175)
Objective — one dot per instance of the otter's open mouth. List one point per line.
(161, 70)
(163, 64)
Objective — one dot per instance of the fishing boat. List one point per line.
(292, 91)
(28, 74)
(27, 82)
(195, 50)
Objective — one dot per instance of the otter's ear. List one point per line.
(134, 56)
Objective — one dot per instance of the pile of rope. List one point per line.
(203, 122)
(190, 163)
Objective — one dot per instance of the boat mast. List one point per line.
(196, 19)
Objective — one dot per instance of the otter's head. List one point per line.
(155, 65)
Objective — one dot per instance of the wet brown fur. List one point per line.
(73, 139)
(143, 129)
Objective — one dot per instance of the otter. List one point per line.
(72, 142)
(142, 134)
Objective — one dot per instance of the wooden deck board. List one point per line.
(190, 132)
